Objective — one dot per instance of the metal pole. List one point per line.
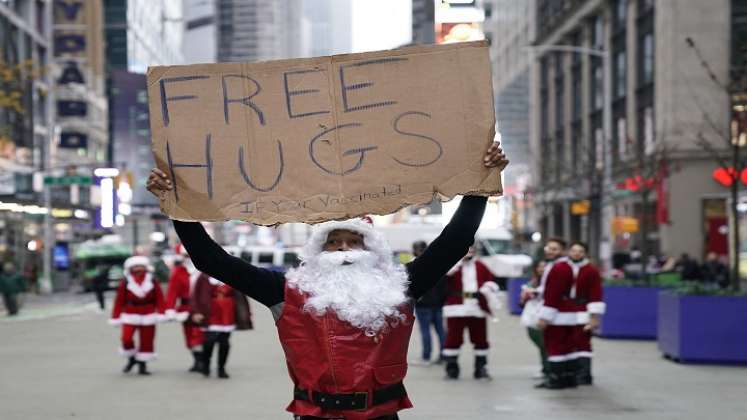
(45, 284)
(605, 247)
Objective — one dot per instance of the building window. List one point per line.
(622, 138)
(648, 130)
(597, 88)
(598, 35)
(647, 59)
(621, 13)
(620, 74)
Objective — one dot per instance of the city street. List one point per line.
(59, 361)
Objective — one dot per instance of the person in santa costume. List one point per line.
(588, 298)
(558, 318)
(219, 310)
(179, 304)
(138, 306)
(345, 315)
(468, 286)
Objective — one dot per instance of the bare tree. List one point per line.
(726, 151)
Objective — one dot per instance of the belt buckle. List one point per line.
(364, 396)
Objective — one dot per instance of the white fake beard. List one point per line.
(356, 286)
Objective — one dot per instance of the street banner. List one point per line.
(315, 139)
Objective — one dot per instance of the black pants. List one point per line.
(11, 303)
(211, 338)
(100, 297)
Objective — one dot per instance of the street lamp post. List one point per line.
(45, 284)
(605, 244)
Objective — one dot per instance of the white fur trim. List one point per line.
(547, 313)
(142, 289)
(482, 352)
(115, 322)
(126, 352)
(569, 356)
(471, 309)
(220, 328)
(597, 308)
(145, 357)
(374, 241)
(450, 352)
(170, 314)
(215, 282)
(137, 260)
(568, 318)
(137, 319)
(182, 316)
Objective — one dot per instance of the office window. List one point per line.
(620, 74)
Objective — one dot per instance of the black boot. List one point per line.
(223, 349)
(130, 364)
(570, 371)
(481, 371)
(554, 378)
(583, 376)
(207, 352)
(197, 365)
(142, 368)
(452, 367)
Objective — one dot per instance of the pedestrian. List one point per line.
(714, 271)
(586, 293)
(688, 268)
(531, 300)
(100, 283)
(139, 305)
(466, 308)
(215, 310)
(557, 318)
(429, 313)
(11, 286)
(179, 305)
(345, 315)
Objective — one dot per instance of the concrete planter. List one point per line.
(631, 312)
(703, 329)
(514, 294)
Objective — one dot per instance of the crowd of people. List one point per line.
(208, 310)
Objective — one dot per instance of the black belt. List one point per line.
(141, 303)
(184, 301)
(352, 401)
(466, 295)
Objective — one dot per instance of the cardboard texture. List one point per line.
(316, 139)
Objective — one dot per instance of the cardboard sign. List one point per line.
(316, 139)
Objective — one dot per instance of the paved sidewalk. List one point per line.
(66, 367)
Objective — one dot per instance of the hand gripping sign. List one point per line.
(315, 139)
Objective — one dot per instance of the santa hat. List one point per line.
(181, 252)
(136, 261)
(374, 241)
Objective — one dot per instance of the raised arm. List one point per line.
(446, 250)
(265, 286)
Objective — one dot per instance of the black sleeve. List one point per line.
(265, 286)
(448, 248)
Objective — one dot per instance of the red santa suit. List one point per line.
(560, 312)
(138, 306)
(587, 295)
(179, 305)
(466, 307)
(217, 299)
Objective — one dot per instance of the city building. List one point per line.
(423, 22)
(139, 34)
(200, 42)
(257, 30)
(619, 100)
(509, 25)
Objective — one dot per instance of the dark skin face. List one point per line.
(343, 240)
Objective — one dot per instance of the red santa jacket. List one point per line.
(475, 304)
(139, 301)
(224, 309)
(572, 291)
(181, 284)
(327, 355)
(587, 292)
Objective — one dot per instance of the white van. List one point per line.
(267, 256)
(496, 250)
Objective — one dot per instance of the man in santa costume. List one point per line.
(138, 306)
(558, 318)
(586, 293)
(345, 316)
(468, 286)
(219, 310)
(179, 305)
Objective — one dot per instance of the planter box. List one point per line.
(514, 294)
(710, 329)
(631, 312)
